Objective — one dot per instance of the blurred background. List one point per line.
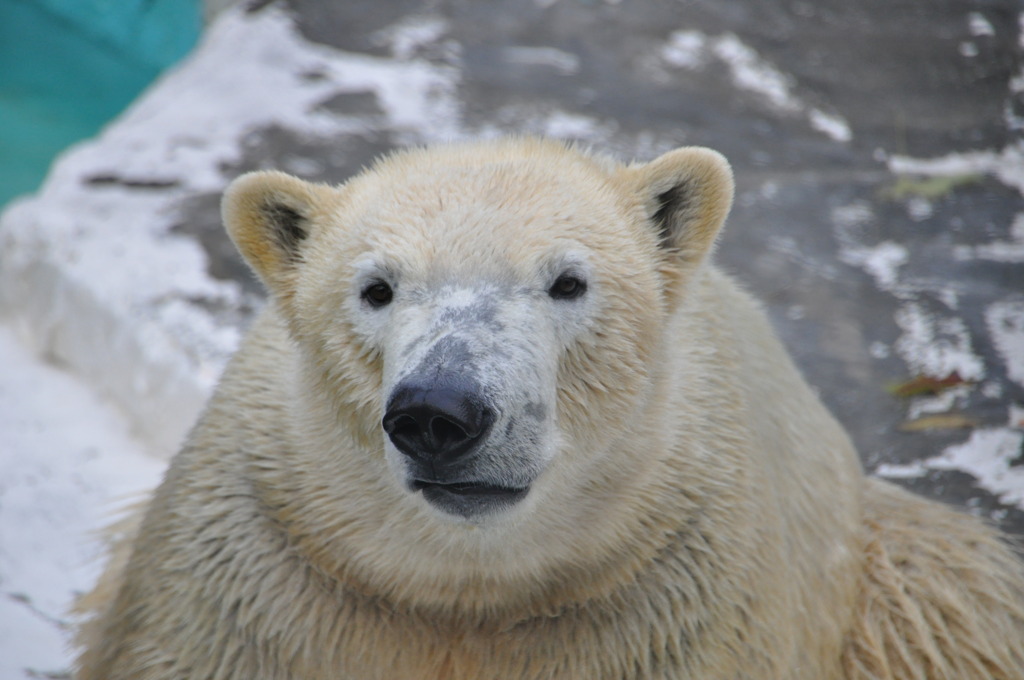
(877, 147)
(69, 67)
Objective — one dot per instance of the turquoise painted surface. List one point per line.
(68, 66)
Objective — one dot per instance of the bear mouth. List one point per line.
(466, 499)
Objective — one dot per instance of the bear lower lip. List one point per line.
(469, 498)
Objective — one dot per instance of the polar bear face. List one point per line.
(486, 316)
(469, 376)
(473, 308)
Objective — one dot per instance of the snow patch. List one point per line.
(999, 251)
(750, 72)
(906, 471)
(992, 389)
(920, 208)
(879, 350)
(968, 49)
(1006, 165)
(986, 456)
(252, 71)
(831, 124)
(979, 26)
(882, 262)
(852, 216)
(686, 49)
(1016, 417)
(754, 74)
(410, 35)
(565, 63)
(936, 347)
(1005, 321)
(275, 77)
(573, 126)
(68, 462)
(943, 402)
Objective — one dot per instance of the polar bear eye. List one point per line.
(567, 287)
(378, 294)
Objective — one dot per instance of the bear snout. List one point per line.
(438, 422)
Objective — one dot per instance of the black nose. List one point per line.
(436, 422)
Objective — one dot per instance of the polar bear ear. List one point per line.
(687, 194)
(268, 215)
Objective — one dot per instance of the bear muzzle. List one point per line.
(438, 425)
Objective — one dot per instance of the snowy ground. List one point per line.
(69, 463)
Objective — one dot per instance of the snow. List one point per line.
(968, 49)
(1007, 165)
(848, 218)
(750, 72)
(999, 251)
(754, 74)
(986, 456)
(685, 49)
(920, 208)
(563, 62)
(562, 124)
(255, 70)
(831, 124)
(882, 262)
(69, 463)
(411, 34)
(936, 346)
(978, 25)
(1005, 322)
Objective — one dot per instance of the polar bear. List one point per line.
(503, 418)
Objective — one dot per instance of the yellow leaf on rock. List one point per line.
(941, 421)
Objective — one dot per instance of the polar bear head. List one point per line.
(487, 318)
